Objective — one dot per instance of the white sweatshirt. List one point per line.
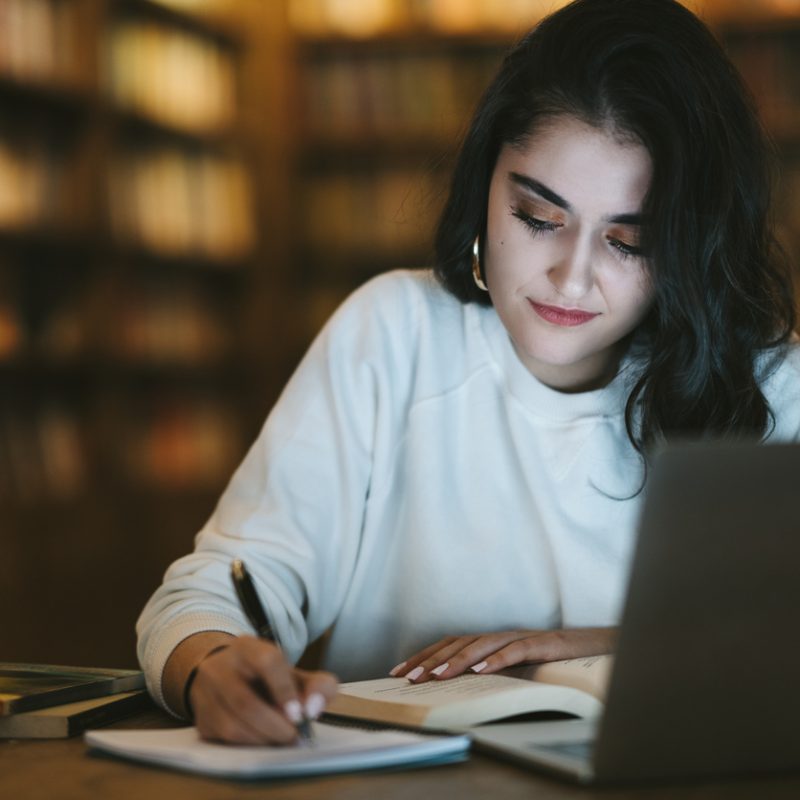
(414, 481)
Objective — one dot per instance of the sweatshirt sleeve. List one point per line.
(293, 510)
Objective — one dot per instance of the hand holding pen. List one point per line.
(254, 611)
(243, 690)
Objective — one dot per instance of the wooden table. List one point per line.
(62, 769)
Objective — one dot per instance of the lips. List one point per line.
(567, 317)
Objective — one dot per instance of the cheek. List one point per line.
(626, 288)
(514, 259)
(636, 297)
(508, 270)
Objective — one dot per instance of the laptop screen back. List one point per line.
(707, 673)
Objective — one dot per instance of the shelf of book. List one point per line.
(40, 42)
(146, 69)
(129, 253)
(392, 95)
(379, 119)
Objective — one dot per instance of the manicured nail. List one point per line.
(314, 705)
(479, 666)
(394, 670)
(415, 673)
(294, 711)
(440, 669)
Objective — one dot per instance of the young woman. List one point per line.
(451, 479)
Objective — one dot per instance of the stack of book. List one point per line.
(42, 701)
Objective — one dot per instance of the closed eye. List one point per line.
(533, 223)
(624, 249)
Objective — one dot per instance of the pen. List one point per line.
(251, 605)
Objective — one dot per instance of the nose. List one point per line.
(572, 274)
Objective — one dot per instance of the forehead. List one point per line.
(592, 168)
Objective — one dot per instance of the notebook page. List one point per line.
(336, 749)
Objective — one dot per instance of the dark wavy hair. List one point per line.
(651, 70)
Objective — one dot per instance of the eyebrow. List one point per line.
(556, 199)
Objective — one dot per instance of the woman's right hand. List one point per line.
(247, 693)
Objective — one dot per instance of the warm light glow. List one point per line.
(788, 7)
(357, 18)
(364, 18)
(724, 10)
(361, 17)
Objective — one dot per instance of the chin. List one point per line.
(557, 357)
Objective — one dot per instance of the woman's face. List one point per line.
(562, 255)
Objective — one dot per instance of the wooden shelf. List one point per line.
(138, 126)
(189, 262)
(89, 371)
(46, 237)
(209, 26)
(417, 40)
(320, 151)
(346, 269)
(51, 96)
(757, 26)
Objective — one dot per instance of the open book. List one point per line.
(335, 749)
(576, 687)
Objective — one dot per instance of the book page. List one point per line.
(334, 749)
(590, 674)
(432, 693)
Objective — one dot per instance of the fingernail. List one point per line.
(481, 665)
(394, 670)
(314, 705)
(415, 673)
(440, 669)
(294, 711)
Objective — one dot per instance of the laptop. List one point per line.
(706, 678)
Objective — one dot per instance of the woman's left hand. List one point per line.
(490, 652)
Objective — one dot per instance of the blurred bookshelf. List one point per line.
(767, 51)
(133, 367)
(382, 105)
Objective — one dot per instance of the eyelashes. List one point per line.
(625, 250)
(538, 227)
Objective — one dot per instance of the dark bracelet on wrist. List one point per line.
(187, 687)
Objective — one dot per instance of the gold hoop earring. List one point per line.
(476, 266)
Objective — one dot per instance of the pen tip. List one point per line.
(306, 731)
